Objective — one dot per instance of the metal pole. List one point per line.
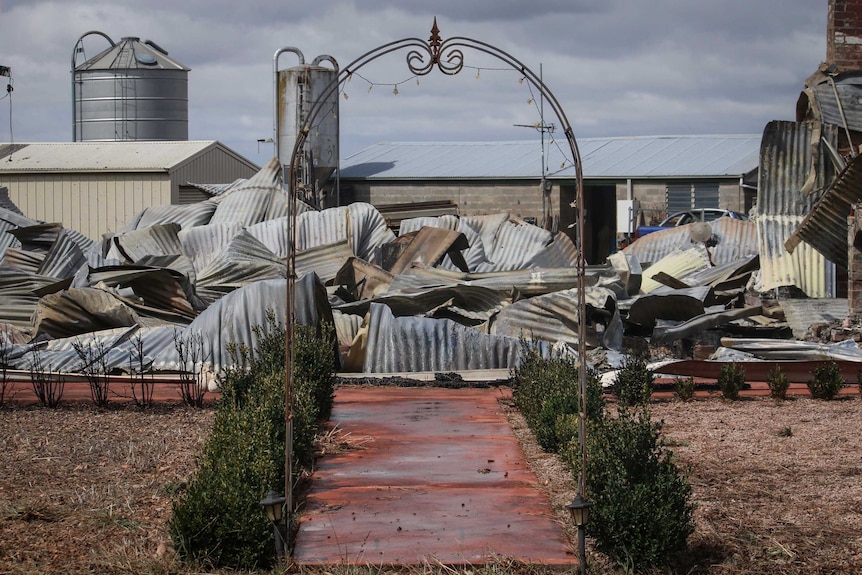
(582, 549)
(279, 542)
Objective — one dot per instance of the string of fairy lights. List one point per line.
(567, 162)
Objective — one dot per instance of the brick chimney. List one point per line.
(844, 34)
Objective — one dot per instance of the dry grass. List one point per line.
(89, 491)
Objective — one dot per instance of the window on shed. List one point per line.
(682, 197)
(679, 198)
(706, 195)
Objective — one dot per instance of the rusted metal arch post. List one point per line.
(448, 57)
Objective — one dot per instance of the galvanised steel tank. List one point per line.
(130, 91)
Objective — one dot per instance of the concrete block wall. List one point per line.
(731, 197)
(844, 34)
(653, 200)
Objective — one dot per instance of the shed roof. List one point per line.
(707, 156)
(104, 156)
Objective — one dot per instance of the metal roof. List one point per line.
(103, 156)
(131, 53)
(622, 157)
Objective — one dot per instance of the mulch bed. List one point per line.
(778, 485)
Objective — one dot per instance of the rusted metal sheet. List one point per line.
(825, 227)
(80, 310)
(363, 280)
(834, 100)
(474, 255)
(428, 247)
(396, 214)
(553, 318)
(158, 292)
(701, 323)
(160, 239)
(794, 165)
(360, 224)
(325, 261)
(439, 478)
(466, 304)
(23, 260)
(801, 314)
(424, 344)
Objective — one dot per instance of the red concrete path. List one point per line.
(441, 477)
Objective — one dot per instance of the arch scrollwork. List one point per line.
(448, 60)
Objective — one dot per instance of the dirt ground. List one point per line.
(778, 485)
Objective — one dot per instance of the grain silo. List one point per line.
(298, 90)
(131, 91)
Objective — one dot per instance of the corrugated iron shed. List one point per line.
(98, 187)
(792, 161)
(631, 157)
(825, 228)
(99, 156)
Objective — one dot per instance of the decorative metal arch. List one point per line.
(448, 57)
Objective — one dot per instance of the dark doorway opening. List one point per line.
(600, 219)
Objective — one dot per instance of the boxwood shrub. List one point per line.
(218, 521)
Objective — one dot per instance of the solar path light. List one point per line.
(580, 510)
(273, 505)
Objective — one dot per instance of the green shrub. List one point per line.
(827, 381)
(218, 522)
(777, 382)
(546, 391)
(731, 379)
(642, 515)
(685, 388)
(633, 384)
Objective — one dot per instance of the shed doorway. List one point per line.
(600, 219)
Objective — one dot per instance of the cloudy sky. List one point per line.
(618, 67)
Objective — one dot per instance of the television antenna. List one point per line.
(543, 129)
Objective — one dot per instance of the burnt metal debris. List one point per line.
(449, 293)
